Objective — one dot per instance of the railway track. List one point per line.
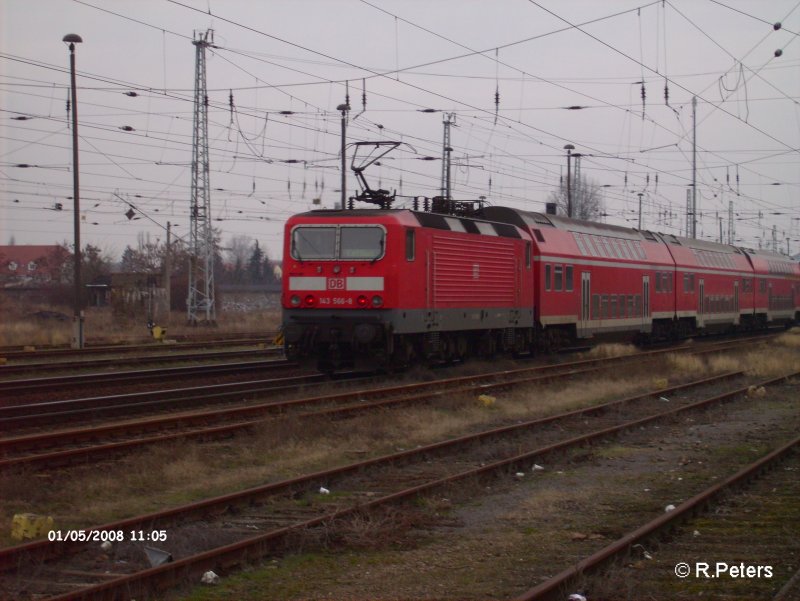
(242, 526)
(172, 357)
(53, 448)
(94, 407)
(121, 378)
(764, 514)
(182, 343)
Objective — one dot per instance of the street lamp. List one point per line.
(569, 148)
(77, 318)
(344, 108)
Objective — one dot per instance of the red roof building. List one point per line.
(31, 263)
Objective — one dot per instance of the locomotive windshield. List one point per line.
(309, 243)
(361, 243)
(354, 243)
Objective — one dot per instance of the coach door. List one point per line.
(646, 303)
(736, 302)
(586, 296)
(701, 295)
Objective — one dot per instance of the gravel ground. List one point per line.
(520, 531)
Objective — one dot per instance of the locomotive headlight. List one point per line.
(377, 301)
(295, 300)
(361, 301)
(310, 300)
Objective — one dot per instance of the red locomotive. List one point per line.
(392, 285)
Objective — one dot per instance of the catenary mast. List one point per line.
(200, 302)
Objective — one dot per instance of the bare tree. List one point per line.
(239, 249)
(587, 199)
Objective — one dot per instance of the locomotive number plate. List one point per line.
(335, 283)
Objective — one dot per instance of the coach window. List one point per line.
(631, 306)
(613, 306)
(595, 306)
(762, 286)
(604, 306)
(361, 243)
(410, 244)
(310, 243)
(658, 281)
(559, 277)
(547, 277)
(568, 278)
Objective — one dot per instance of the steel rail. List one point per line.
(11, 352)
(104, 450)
(43, 550)
(169, 574)
(37, 414)
(91, 362)
(77, 380)
(556, 585)
(10, 412)
(139, 401)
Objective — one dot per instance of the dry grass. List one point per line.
(603, 351)
(686, 365)
(790, 339)
(20, 326)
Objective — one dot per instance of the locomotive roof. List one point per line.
(437, 221)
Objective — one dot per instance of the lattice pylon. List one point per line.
(200, 303)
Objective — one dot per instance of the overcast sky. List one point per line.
(450, 55)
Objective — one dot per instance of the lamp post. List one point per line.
(344, 108)
(77, 318)
(569, 148)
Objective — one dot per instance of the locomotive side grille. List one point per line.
(466, 272)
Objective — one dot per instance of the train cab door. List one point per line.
(584, 325)
(646, 321)
(701, 294)
(736, 302)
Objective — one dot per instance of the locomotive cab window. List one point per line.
(361, 243)
(312, 243)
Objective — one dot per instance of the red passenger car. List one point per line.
(775, 287)
(594, 279)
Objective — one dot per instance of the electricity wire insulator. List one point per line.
(644, 95)
(364, 94)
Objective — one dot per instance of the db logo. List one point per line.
(335, 283)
